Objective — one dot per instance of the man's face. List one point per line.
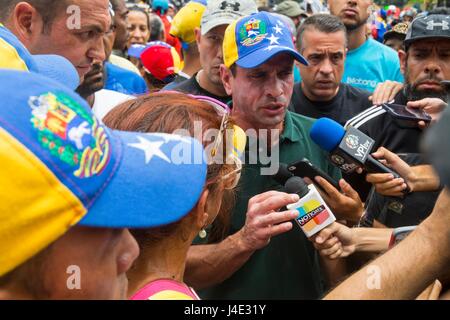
(325, 53)
(210, 50)
(121, 23)
(98, 258)
(425, 65)
(353, 13)
(261, 95)
(81, 44)
(138, 28)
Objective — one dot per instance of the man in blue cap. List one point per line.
(264, 256)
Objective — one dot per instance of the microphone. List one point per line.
(314, 214)
(349, 149)
(283, 174)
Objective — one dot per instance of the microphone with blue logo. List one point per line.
(349, 149)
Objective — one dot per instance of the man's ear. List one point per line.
(227, 79)
(200, 209)
(402, 56)
(198, 35)
(26, 23)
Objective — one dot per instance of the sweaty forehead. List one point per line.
(94, 12)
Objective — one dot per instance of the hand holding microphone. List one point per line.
(349, 150)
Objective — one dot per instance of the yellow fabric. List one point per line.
(176, 60)
(239, 141)
(186, 20)
(10, 58)
(170, 295)
(35, 207)
(230, 50)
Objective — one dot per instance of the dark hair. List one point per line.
(48, 9)
(167, 112)
(326, 23)
(147, 15)
(116, 4)
(157, 28)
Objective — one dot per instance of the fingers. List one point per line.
(375, 178)
(327, 187)
(326, 233)
(279, 229)
(275, 218)
(348, 190)
(386, 91)
(273, 203)
(267, 195)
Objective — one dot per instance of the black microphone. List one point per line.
(349, 149)
(283, 174)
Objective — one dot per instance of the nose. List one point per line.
(326, 67)
(129, 252)
(136, 34)
(97, 50)
(275, 89)
(432, 68)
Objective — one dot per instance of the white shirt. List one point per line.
(106, 100)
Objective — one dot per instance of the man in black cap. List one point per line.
(425, 63)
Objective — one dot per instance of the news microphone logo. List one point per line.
(312, 214)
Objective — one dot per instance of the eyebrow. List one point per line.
(95, 27)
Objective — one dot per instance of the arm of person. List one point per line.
(385, 92)
(339, 241)
(406, 270)
(418, 178)
(211, 264)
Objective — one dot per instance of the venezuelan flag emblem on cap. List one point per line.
(252, 40)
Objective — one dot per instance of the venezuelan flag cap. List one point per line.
(252, 40)
(13, 55)
(186, 20)
(60, 166)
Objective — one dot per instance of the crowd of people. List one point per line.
(142, 152)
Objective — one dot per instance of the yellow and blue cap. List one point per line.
(254, 39)
(14, 56)
(61, 166)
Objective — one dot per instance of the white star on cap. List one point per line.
(273, 39)
(269, 48)
(172, 137)
(150, 149)
(277, 29)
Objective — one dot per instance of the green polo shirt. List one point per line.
(288, 267)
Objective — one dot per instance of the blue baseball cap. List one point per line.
(254, 39)
(61, 167)
(14, 55)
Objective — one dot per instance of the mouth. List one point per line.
(429, 85)
(350, 12)
(84, 69)
(274, 109)
(325, 84)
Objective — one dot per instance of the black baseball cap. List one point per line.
(428, 26)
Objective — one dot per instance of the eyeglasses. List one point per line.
(238, 138)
